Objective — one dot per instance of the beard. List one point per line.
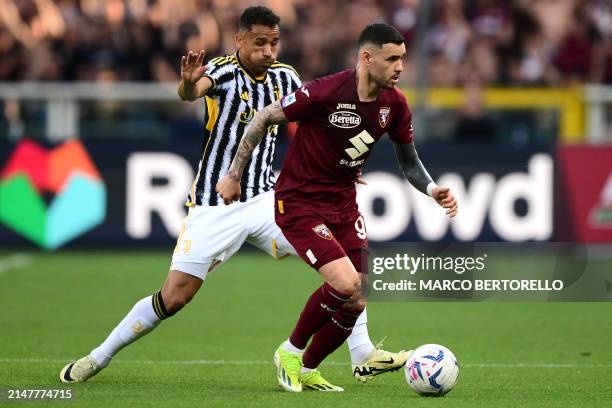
(384, 83)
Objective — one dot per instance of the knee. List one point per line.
(357, 303)
(175, 299)
(350, 285)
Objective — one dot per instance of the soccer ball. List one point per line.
(432, 370)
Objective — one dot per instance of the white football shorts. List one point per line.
(210, 235)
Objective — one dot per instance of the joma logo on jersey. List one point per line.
(360, 144)
(322, 231)
(345, 119)
(346, 106)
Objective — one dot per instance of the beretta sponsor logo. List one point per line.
(345, 119)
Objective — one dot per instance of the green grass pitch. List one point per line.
(218, 351)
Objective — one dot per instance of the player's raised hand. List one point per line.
(228, 189)
(191, 67)
(446, 199)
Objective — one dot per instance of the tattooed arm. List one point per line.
(229, 186)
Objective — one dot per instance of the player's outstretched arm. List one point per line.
(229, 186)
(417, 175)
(193, 85)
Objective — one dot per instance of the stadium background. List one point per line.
(512, 106)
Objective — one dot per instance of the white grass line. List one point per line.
(14, 262)
(332, 363)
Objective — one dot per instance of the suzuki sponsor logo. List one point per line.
(345, 119)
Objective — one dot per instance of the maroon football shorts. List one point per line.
(320, 238)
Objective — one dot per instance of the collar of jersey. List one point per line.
(253, 79)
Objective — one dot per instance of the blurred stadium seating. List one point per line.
(494, 42)
(469, 46)
(497, 81)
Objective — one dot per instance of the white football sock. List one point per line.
(291, 348)
(139, 321)
(307, 370)
(359, 343)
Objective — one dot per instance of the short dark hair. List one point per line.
(379, 34)
(258, 15)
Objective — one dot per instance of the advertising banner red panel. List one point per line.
(586, 183)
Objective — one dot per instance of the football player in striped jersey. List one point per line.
(233, 87)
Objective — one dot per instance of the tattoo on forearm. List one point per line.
(270, 115)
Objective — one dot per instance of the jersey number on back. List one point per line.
(360, 144)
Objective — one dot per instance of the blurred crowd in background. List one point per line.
(493, 42)
(470, 44)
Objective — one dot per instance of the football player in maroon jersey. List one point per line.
(341, 117)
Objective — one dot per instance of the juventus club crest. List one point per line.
(322, 231)
(383, 116)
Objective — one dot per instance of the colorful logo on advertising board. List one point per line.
(587, 182)
(67, 176)
(601, 213)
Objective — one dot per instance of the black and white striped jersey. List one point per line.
(230, 106)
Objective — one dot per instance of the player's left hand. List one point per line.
(446, 199)
(360, 180)
(228, 189)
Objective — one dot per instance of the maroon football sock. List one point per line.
(330, 337)
(319, 309)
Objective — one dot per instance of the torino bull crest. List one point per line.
(383, 116)
(322, 231)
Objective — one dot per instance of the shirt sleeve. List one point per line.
(294, 81)
(221, 72)
(401, 130)
(296, 105)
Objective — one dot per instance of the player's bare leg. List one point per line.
(178, 290)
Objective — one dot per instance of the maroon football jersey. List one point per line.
(334, 138)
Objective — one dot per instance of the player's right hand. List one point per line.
(191, 67)
(228, 189)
